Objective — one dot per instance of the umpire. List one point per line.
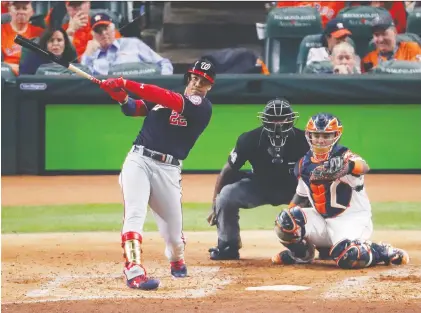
(272, 150)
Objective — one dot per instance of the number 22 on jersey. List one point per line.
(177, 119)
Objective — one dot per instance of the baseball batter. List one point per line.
(332, 178)
(151, 173)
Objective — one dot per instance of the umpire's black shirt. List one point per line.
(253, 146)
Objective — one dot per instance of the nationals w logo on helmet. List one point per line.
(203, 68)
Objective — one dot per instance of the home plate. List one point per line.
(279, 288)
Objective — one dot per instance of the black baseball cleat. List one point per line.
(384, 252)
(226, 253)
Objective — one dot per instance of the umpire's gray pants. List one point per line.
(246, 193)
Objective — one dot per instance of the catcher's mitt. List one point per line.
(329, 171)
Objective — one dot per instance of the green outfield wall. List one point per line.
(67, 125)
(97, 137)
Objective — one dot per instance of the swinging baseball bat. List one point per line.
(29, 44)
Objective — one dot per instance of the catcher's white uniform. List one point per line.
(340, 216)
(340, 209)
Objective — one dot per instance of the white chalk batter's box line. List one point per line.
(57, 281)
(340, 289)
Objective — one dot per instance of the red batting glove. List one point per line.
(117, 93)
(115, 83)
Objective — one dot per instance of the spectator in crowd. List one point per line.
(397, 10)
(327, 9)
(79, 27)
(4, 7)
(20, 12)
(344, 60)
(54, 41)
(105, 50)
(333, 34)
(387, 46)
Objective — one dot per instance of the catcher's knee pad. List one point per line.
(352, 254)
(289, 225)
(131, 244)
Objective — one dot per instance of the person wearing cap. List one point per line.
(55, 41)
(387, 45)
(335, 32)
(20, 13)
(397, 10)
(79, 27)
(105, 50)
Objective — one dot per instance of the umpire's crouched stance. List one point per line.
(272, 149)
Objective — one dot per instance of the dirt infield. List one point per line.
(81, 272)
(41, 190)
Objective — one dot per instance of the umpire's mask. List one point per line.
(278, 119)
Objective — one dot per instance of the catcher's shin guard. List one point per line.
(290, 225)
(290, 229)
(358, 254)
(298, 253)
(352, 254)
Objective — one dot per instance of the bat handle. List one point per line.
(83, 74)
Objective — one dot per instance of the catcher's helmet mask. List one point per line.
(202, 67)
(278, 120)
(323, 123)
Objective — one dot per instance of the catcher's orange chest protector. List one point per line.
(328, 198)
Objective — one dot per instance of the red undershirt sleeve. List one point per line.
(156, 95)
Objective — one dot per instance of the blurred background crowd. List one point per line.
(163, 38)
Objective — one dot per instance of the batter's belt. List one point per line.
(157, 156)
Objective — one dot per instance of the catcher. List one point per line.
(332, 178)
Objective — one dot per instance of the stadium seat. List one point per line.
(358, 20)
(308, 42)
(318, 68)
(137, 69)
(401, 37)
(285, 29)
(411, 37)
(413, 24)
(397, 67)
(52, 69)
(7, 73)
(5, 18)
(26, 51)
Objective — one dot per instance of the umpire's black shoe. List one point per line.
(226, 253)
